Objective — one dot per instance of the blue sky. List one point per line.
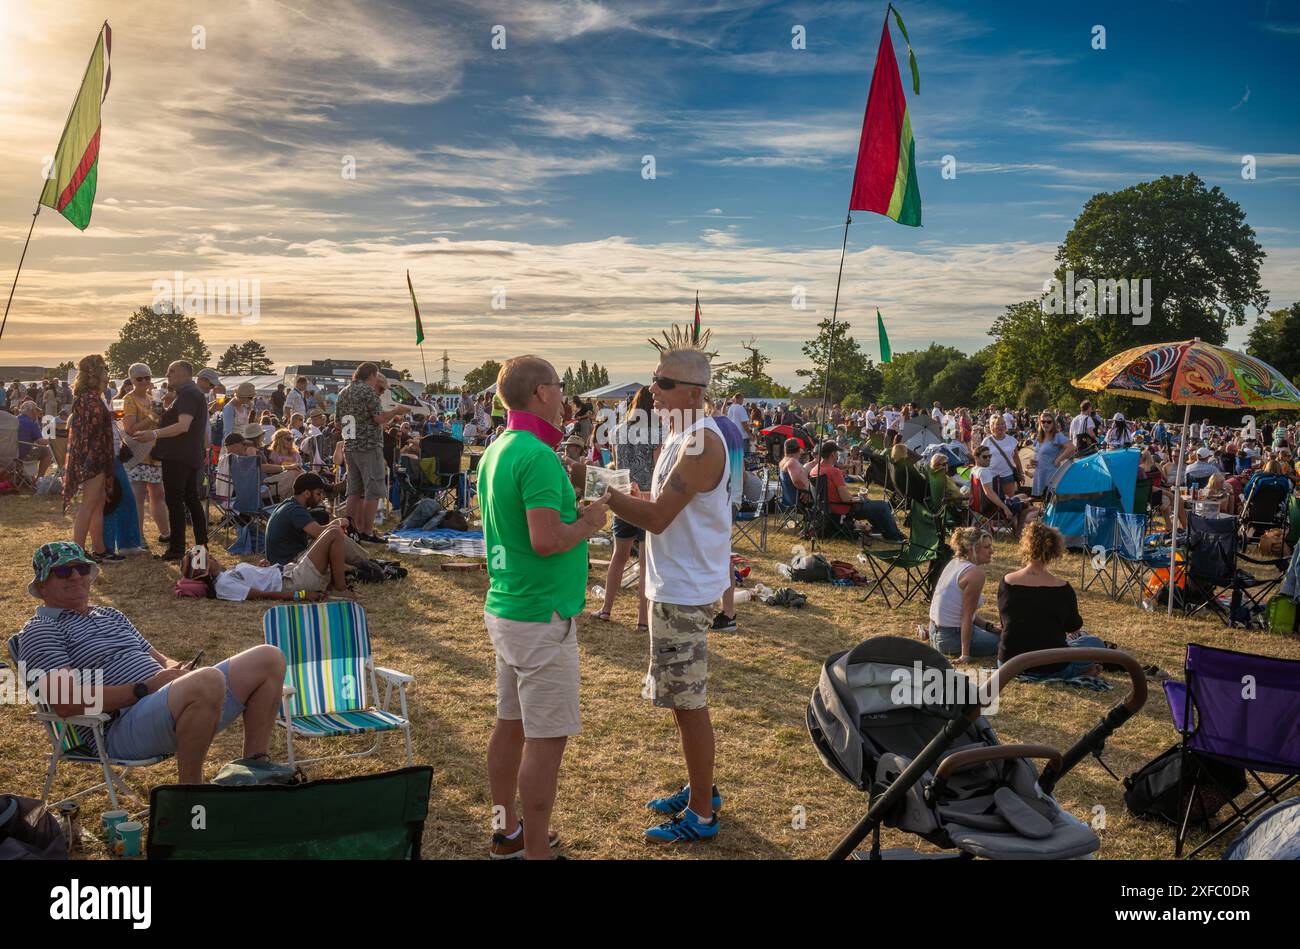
(521, 168)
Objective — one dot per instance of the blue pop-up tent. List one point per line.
(1106, 479)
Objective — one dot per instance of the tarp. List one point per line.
(264, 385)
(1274, 835)
(1107, 479)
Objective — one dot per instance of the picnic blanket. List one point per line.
(1092, 683)
(446, 542)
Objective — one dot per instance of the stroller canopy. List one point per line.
(870, 717)
(1107, 479)
(1274, 835)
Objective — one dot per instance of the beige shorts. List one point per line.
(301, 574)
(537, 674)
(365, 473)
(679, 655)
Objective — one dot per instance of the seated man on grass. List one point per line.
(158, 705)
(318, 574)
(293, 532)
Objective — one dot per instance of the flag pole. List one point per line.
(426, 368)
(830, 349)
(21, 258)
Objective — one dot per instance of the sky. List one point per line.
(513, 183)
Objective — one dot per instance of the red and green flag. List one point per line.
(695, 333)
(419, 326)
(885, 178)
(70, 189)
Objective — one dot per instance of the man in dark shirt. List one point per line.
(292, 531)
(181, 446)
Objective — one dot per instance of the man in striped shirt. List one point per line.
(158, 705)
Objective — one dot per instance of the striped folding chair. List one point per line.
(79, 740)
(331, 678)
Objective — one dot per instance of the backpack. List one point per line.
(28, 831)
(813, 568)
(1152, 790)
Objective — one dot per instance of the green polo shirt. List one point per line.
(519, 472)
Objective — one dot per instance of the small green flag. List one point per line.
(419, 326)
(885, 354)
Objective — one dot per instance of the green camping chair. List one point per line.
(330, 676)
(368, 817)
(79, 739)
(918, 558)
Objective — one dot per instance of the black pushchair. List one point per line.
(893, 718)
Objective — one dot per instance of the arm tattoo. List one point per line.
(677, 483)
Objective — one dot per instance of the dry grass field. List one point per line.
(430, 625)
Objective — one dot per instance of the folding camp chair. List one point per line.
(436, 475)
(79, 739)
(820, 520)
(1213, 571)
(981, 514)
(331, 676)
(790, 509)
(1241, 710)
(1101, 540)
(1264, 507)
(918, 558)
(751, 526)
(1133, 558)
(246, 502)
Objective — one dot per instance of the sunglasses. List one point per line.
(663, 382)
(83, 569)
(144, 378)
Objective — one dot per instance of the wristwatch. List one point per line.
(140, 690)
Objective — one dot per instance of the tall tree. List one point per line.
(749, 376)
(60, 371)
(851, 369)
(570, 382)
(1193, 244)
(480, 377)
(231, 361)
(255, 359)
(157, 339)
(1275, 338)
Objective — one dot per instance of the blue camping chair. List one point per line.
(1135, 556)
(1101, 540)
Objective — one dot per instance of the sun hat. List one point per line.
(245, 390)
(61, 553)
(252, 431)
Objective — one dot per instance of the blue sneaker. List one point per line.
(677, 802)
(683, 828)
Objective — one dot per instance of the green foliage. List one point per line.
(246, 359)
(157, 339)
(1033, 396)
(942, 373)
(480, 377)
(749, 377)
(1275, 339)
(59, 372)
(585, 379)
(851, 369)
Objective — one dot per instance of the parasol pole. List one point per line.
(1179, 473)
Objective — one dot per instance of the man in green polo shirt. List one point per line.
(537, 567)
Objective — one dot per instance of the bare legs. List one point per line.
(530, 768)
(90, 515)
(696, 730)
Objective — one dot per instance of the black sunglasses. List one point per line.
(144, 378)
(667, 384)
(66, 571)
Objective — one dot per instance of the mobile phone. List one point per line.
(194, 663)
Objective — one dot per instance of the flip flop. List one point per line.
(602, 615)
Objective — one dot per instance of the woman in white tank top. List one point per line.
(955, 630)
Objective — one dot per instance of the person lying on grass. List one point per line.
(267, 581)
(90, 659)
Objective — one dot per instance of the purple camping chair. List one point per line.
(1242, 710)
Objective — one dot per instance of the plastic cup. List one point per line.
(601, 479)
(127, 843)
(110, 820)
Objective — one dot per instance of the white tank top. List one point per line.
(689, 564)
(945, 606)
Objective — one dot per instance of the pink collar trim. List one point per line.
(518, 420)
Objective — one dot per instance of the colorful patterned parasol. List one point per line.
(1193, 373)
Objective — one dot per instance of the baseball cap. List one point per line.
(1203, 452)
(61, 553)
(308, 482)
(234, 438)
(210, 375)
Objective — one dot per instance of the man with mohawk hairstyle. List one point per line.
(687, 558)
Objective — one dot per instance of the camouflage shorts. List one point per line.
(679, 655)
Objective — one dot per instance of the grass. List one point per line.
(430, 625)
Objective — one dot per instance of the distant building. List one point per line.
(331, 367)
(25, 373)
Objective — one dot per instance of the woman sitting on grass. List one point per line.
(1039, 610)
(955, 630)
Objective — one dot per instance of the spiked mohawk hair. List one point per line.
(679, 338)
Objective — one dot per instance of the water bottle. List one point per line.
(598, 592)
(743, 596)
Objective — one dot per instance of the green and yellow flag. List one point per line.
(70, 189)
